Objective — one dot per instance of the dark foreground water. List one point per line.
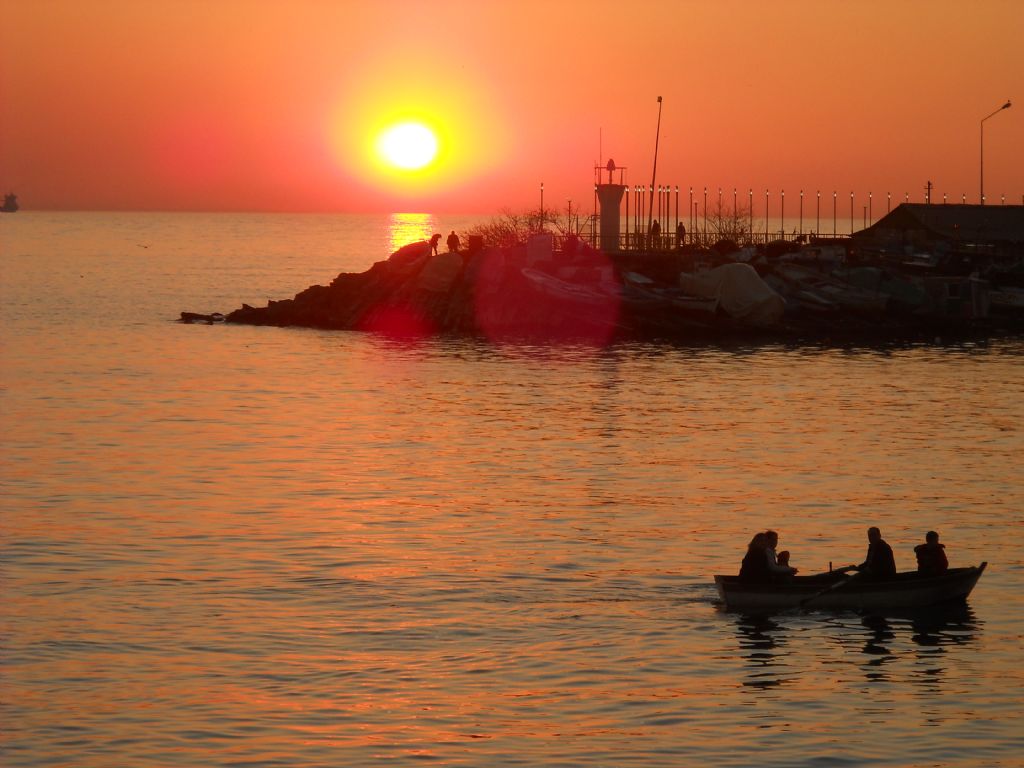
(234, 546)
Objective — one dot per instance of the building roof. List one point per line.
(977, 223)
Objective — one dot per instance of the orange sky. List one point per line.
(272, 105)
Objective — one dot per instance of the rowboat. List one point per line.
(838, 590)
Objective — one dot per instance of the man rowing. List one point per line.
(879, 563)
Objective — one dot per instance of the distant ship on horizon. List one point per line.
(10, 203)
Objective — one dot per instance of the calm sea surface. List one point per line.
(235, 546)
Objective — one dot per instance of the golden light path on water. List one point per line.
(405, 228)
(228, 545)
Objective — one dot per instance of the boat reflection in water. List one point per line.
(762, 644)
(909, 646)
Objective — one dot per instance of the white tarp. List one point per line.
(740, 291)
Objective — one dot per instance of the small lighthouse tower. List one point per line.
(610, 197)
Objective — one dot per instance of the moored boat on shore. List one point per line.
(837, 590)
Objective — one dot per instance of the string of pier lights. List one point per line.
(665, 208)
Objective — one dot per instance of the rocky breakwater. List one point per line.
(578, 294)
(529, 291)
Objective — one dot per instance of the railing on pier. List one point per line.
(665, 243)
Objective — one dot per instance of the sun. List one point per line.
(408, 146)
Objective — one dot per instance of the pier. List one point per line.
(642, 217)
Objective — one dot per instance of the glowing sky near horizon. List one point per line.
(264, 105)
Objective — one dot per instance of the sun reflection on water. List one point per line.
(405, 228)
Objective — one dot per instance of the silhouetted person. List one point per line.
(754, 569)
(931, 556)
(776, 570)
(655, 234)
(880, 563)
(680, 235)
(453, 241)
(434, 241)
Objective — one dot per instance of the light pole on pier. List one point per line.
(705, 223)
(654, 170)
(981, 193)
(750, 197)
(783, 212)
(690, 213)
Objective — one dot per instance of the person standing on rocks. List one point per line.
(453, 241)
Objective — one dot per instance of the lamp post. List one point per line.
(981, 194)
(704, 226)
(750, 197)
(782, 209)
(690, 214)
(654, 170)
(801, 213)
(833, 213)
(817, 217)
(542, 206)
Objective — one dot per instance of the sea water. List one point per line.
(228, 546)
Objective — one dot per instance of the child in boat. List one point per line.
(931, 556)
(779, 571)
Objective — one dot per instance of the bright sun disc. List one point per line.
(407, 145)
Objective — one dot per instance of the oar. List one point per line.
(830, 588)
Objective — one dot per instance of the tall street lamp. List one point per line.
(982, 190)
(654, 170)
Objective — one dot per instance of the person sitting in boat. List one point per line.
(879, 563)
(931, 556)
(776, 570)
(754, 569)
